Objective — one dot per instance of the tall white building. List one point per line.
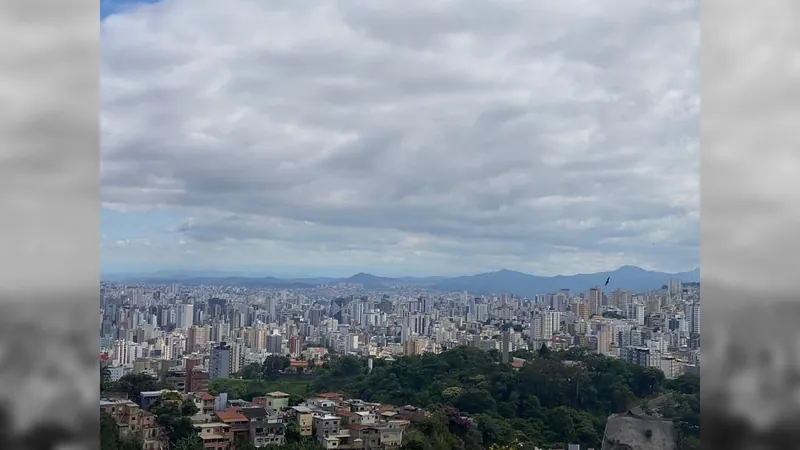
(237, 355)
(185, 315)
(545, 324)
(595, 300)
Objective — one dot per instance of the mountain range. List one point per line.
(630, 278)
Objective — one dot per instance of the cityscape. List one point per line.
(190, 336)
(400, 225)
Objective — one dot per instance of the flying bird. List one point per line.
(607, 280)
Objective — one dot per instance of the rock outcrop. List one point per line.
(630, 431)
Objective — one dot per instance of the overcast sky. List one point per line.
(48, 148)
(418, 137)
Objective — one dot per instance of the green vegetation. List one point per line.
(174, 418)
(683, 407)
(556, 398)
(270, 369)
(473, 401)
(298, 388)
(110, 438)
(130, 385)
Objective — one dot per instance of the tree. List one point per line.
(105, 378)
(243, 443)
(110, 438)
(188, 443)
(476, 401)
(274, 365)
(544, 352)
(170, 417)
(251, 371)
(109, 432)
(293, 432)
(472, 402)
(188, 408)
(134, 384)
(295, 399)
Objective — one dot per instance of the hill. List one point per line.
(627, 277)
(472, 401)
(476, 402)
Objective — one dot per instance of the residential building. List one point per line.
(132, 419)
(238, 422)
(266, 426)
(215, 436)
(305, 420)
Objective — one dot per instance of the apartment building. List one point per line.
(132, 419)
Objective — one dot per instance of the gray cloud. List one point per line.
(547, 136)
(750, 161)
(48, 147)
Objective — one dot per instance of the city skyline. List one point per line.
(562, 141)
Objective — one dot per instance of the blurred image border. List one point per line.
(51, 342)
(744, 58)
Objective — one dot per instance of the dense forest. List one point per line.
(555, 398)
(477, 403)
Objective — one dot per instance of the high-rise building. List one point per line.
(581, 309)
(195, 338)
(220, 361)
(185, 315)
(237, 355)
(545, 324)
(695, 319)
(270, 309)
(413, 347)
(675, 287)
(604, 338)
(295, 345)
(506, 346)
(274, 344)
(595, 300)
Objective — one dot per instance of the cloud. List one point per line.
(750, 209)
(426, 136)
(48, 147)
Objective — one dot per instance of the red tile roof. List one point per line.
(231, 415)
(330, 395)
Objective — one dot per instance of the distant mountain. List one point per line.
(629, 278)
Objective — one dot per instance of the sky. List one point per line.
(424, 137)
(47, 196)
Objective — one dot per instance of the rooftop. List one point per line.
(330, 395)
(115, 401)
(208, 437)
(211, 425)
(206, 396)
(231, 415)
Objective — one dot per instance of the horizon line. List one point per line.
(247, 273)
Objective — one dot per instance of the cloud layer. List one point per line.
(48, 148)
(406, 137)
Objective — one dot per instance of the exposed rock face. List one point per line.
(633, 432)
